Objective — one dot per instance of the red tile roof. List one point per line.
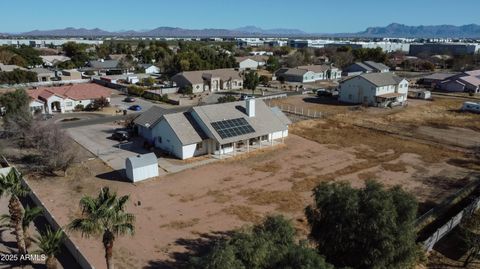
(86, 91)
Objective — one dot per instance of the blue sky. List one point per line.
(315, 16)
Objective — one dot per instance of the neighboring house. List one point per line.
(374, 89)
(52, 60)
(214, 129)
(10, 67)
(468, 81)
(365, 67)
(435, 79)
(308, 73)
(65, 98)
(251, 62)
(209, 80)
(71, 74)
(44, 74)
(150, 68)
(141, 167)
(106, 67)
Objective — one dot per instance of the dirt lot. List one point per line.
(178, 211)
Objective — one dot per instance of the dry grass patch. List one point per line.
(243, 213)
(347, 136)
(286, 201)
(219, 196)
(395, 167)
(299, 174)
(269, 167)
(367, 175)
(179, 224)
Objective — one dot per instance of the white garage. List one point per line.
(141, 167)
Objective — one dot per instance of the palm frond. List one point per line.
(50, 241)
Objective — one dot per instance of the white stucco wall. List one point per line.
(142, 173)
(248, 64)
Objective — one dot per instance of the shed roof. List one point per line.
(143, 160)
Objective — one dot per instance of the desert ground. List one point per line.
(425, 148)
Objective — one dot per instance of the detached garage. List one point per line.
(141, 167)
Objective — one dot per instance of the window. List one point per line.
(159, 139)
(199, 146)
(69, 103)
(349, 97)
(198, 87)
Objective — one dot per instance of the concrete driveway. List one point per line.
(97, 139)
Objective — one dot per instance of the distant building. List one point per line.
(365, 67)
(10, 67)
(374, 89)
(109, 67)
(251, 62)
(150, 68)
(443, 48)
(308, 73)
(43, 74)
(209, 80)
(70, 74)
(468, 81)
(52, 60)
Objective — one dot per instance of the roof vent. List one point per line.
(250, 106)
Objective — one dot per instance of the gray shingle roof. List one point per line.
(264, 122)
(376, 66)
(196, 77)
(291, 72)
(150, 117)
(382, 79)
(104, 64)
(440, 76)
(185, 127)
(316, 68)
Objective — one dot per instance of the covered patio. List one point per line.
(390, 98)
(244, 146)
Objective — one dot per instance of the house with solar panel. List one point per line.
(218, 130)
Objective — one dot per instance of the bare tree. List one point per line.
(57, 151)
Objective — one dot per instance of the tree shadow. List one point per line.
(194, 247)
(452, 246)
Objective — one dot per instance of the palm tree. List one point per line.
(11, 185)
(29, 216)
(104, 215)
(49, 243)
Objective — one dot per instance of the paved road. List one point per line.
(108, 119)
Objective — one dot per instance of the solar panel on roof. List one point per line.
(232, 128)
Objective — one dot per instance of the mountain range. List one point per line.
(391, 30)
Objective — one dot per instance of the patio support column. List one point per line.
(260, 141)
(221, 150)
(248, 145)
(234, 148)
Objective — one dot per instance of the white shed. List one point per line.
(141, 167)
